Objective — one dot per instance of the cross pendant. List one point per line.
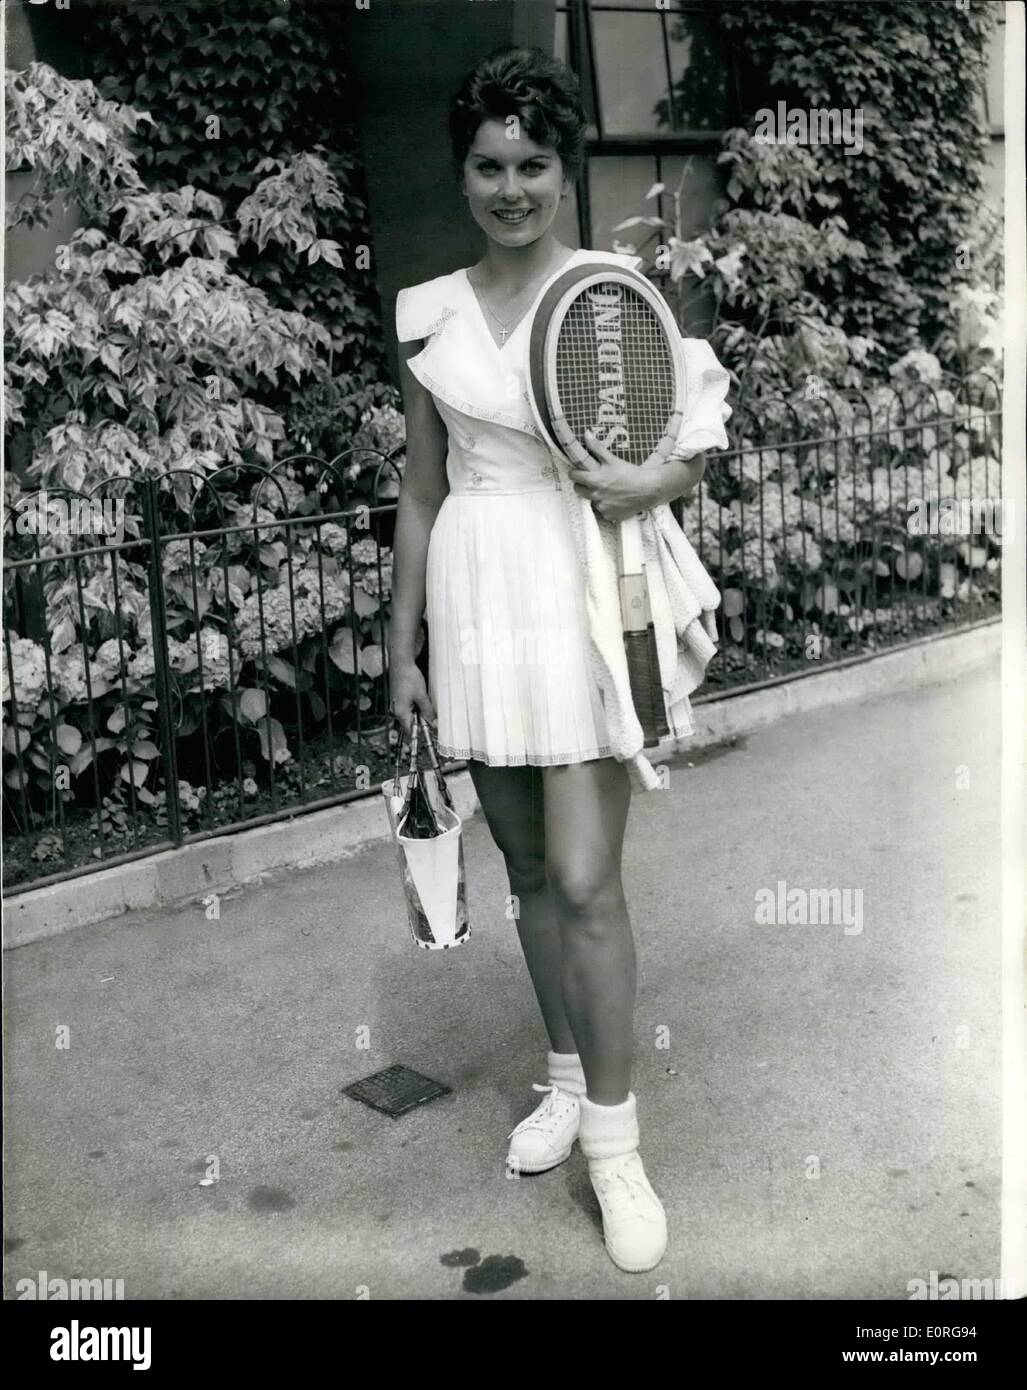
(503, 332)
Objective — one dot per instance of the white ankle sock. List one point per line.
(565, 1071)
(607, 1131)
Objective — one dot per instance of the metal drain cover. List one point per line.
(396, 1090)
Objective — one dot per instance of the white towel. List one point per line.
(682, 596)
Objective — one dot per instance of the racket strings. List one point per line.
(643, 370)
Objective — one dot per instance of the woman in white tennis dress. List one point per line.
(483, 548)
(508, 638)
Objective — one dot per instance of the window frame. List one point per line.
(581, 56)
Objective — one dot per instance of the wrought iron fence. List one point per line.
(849, 521)
(218, 660)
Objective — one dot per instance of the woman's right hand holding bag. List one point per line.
(407, 691)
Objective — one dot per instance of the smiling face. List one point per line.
(513, 186)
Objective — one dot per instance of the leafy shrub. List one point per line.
(116, 372)
(237, 90)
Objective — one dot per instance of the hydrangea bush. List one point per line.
(814, 530)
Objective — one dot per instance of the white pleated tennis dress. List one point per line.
(509, 671)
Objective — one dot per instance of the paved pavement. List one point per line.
(823, 1122)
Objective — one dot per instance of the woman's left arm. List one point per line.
(682, 476)
(620, 489)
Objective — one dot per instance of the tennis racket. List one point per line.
(604, 356)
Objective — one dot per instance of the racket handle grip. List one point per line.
(646, 687)
(661, 728)
(634, 603)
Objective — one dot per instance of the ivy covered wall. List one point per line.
(913, 195)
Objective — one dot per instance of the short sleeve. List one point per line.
(421, 310)
(706, 407)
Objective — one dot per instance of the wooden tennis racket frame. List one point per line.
(636, 614)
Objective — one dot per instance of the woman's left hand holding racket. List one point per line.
(619, 489)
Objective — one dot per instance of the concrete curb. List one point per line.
(225, 864)
(939, 659)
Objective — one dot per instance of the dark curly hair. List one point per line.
(524, 82)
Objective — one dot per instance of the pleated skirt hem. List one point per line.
(584, 755)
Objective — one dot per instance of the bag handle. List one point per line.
(412, 768)
(419, 726)
(433, 755)
(399, 755)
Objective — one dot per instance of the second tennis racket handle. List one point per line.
(640, 677)
(659, 709)
(634, 602)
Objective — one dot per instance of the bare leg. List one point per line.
(586, 811)
(512, 801)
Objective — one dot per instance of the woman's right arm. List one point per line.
(422, 492)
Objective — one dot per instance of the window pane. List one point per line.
(560, 36)
(632, 71)
(618, 185)
(702, 187)
(700, 66)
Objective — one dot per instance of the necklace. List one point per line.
(504, 328)
(504, 325)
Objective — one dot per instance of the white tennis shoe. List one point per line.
(634, 1221)
(547, 1136)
